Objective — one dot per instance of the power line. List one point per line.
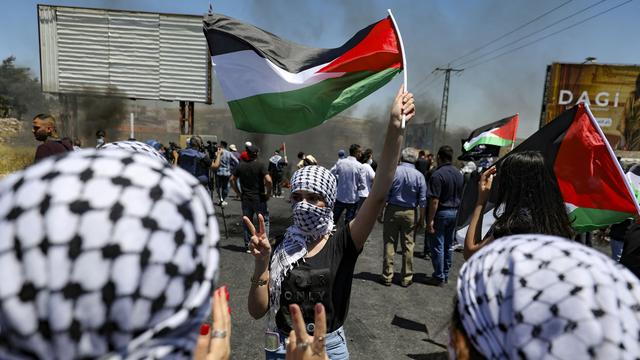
(532, 33)
(426, 85)
(549, 35)
(511, 32)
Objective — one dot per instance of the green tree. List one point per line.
(20, 92)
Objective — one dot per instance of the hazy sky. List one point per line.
(434, 32)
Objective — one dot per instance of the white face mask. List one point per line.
(370, 161)
(311, 219)
(100, 141)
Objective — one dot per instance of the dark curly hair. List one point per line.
(529, 200)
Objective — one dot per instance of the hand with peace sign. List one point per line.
(301, 346)
(259, 245)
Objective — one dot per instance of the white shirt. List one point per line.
(350, 180)
(368, 174)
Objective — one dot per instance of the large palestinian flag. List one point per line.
(499, 133)
(275, 86)
(594, 188)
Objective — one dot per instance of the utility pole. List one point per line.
(442, 121)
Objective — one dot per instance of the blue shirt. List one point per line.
(228, 162)
(350, 180)
(446, 185)
(408, 188)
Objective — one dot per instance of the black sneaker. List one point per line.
(434, 282)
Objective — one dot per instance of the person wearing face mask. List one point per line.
(315, 261)
(100, 139)
(44, 129)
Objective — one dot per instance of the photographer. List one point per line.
(195, 161)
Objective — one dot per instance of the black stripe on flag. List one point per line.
(226, 35)
(547, 141)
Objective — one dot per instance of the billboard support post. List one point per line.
(131, 126)
(182, 118)
(190, 114)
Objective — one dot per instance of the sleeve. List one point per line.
(334, 169)
(206, 160)
(345, 242)
(435, 186)
(422, 199)
(361, 180)
(233, 161)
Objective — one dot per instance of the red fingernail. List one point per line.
(226, 290)
(318, 308)
(204, 329)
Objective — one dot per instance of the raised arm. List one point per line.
(472, 241)
(363, 223)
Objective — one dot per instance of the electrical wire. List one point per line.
(531, 34)
(549, 35)
(510, 32)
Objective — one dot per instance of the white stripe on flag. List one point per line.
(244, 73)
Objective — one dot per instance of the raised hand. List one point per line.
(259, 245)
(301, 345)
(402, 105)
(215, 344)
(484, 185)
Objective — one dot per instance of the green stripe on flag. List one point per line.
(297, 110)
(586, 219)
(488, 140)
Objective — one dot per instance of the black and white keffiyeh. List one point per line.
(104, 254)
(536, 296)
(310, 223)
(135, 146)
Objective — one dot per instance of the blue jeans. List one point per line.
(339, 206)
(335, 345)
(616, 249)
(222, 186)
(251, 209)
(441, 253)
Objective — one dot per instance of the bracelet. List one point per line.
(258, 282)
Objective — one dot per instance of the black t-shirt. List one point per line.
(631, 250)
(446, 185)
(52, 147)
(423, 166)
(326, 278)
(251, 175)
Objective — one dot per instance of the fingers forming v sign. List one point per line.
(301, 345)
(215, 343)
(259, 244)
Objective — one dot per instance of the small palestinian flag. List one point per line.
(595, 190)
(275, 86)
(499, 133)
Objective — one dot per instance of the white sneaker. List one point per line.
(224, 203)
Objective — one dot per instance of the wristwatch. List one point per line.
(258, 282)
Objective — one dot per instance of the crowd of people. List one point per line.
(113, 252)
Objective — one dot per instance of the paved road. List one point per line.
(383, 322)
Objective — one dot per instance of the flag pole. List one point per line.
(404, 60)
(513, 141)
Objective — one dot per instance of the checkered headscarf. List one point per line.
(537, 296)
(310, 223)
(106, 254)
(135, 146)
